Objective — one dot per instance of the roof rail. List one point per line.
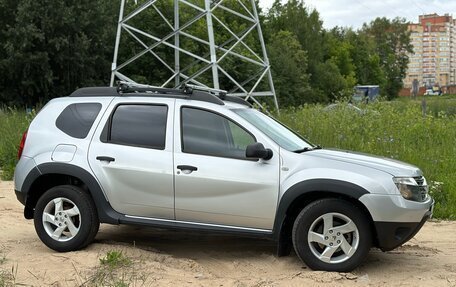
(186, 91)
(188, 87)
(94, 92)
(221, 94)
(127, 87)
(234, 99)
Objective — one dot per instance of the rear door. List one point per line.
(131, 155)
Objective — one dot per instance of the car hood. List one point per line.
(391, 166)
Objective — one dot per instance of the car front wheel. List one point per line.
(332, 235)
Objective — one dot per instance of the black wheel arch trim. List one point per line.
(107, 214)
(336, 187)
(105, 211)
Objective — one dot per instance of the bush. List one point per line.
(13, 124)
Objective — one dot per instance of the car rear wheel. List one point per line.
(66, 219)
(332, 235)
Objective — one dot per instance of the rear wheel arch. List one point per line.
(44, 182)
(50, 175)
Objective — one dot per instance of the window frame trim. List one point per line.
(105, 135)
(219, 114)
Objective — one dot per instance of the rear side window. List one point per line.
(77, 119)
(139, 125)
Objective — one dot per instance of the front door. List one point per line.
(214, 182)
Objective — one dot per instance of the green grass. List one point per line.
(436, 105)
(115, 259)
(8, 277)
(117, 270)
(395, 130)
(5, 278)
(13, 124)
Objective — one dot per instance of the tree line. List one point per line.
(49, 48)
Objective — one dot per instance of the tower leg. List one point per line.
(116, 47)
(210, 31)
(176, 43)
(265, 54)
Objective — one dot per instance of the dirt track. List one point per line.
(166, 258)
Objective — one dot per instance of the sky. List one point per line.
(356, 12)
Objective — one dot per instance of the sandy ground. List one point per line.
(169, 258)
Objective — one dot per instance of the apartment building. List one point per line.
(433, 62)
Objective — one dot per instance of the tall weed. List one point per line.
(395, 130)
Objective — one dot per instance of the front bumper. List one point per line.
(393, 234)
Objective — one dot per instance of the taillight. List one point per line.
(21, 145)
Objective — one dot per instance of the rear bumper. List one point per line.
(393, 234)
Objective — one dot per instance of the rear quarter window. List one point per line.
(77, 119)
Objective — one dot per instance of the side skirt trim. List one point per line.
(190, 224)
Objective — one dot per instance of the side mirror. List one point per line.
(257, 150)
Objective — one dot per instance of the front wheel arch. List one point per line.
(283, 227)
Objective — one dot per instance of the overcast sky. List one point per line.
(355, 12)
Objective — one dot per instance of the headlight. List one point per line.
(412, 188)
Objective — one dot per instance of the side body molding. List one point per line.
(313, 186)
(106, 213)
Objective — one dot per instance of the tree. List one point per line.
(330, 81)
(50, 48)
(339, 53)
(305, 24)
(53, 47)
(289, 68)
(366, 60)
(392, 44)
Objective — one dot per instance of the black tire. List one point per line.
(87, 220)
(312, 216)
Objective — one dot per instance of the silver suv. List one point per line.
(193, 159)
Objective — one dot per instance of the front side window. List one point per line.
(284, 137)
(208, 133)
(139, 125)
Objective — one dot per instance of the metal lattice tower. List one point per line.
(258, 84)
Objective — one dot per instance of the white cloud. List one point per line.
(356, 12)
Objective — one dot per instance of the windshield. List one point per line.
(283, 136)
